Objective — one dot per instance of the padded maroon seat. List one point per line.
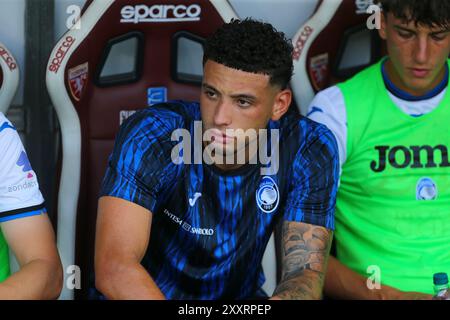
(125, 56)
(334, 44)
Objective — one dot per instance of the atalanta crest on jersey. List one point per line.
(267, 195)
(426, 189)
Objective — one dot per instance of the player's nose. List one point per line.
(223, 113)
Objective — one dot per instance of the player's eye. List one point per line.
(405, 34)
(439, 36)
(243, 103)
(210, 94)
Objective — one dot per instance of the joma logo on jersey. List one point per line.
(401, 157)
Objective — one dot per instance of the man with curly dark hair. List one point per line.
(391, 125)
(212, 206)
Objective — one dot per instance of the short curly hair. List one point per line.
(431, 13)
(252, 46)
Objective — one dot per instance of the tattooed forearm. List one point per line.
(305, 250)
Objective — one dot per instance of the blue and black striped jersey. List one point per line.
(210, 227)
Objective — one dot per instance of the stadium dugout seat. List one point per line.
(9, 78)
(333, 45)
(9, 82)
(121, 56)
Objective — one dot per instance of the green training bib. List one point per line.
(393, 204)
(4, 258)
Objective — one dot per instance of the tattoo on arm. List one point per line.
(305, 250)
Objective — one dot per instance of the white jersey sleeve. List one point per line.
(19, 189)
(328, 108)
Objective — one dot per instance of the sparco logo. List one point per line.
(160, 13)
(8, 59)
(60, 54)
(301, 41)
(401, 157)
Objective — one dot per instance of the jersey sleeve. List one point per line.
(328, 108)
(140, 167)
(19, 188)
(312, 196)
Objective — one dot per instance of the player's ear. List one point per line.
(282, 102)
(382, 30)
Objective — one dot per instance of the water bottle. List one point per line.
(441, 287)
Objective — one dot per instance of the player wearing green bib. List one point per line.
(24, 226)
(391, 124)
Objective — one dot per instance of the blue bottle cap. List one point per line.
(440, 278)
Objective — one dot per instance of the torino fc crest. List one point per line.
(78, 77)
(318, 71)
